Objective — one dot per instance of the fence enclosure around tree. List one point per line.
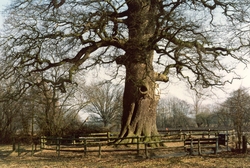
(96, 142)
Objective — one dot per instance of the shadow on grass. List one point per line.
(228, 154)
(6, 151)
(4, 154)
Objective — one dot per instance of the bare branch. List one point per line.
(56, 4)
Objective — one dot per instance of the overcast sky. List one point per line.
(178, 88)
(3, 3)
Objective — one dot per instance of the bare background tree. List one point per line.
(222, 115)
(238, 108)
(105, 104)
(174, 113)
(41, 110)
(204, 118)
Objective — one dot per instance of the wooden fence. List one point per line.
(200, 143)
(187, 133)
(96, 142)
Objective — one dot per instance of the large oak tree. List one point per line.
(188, 39)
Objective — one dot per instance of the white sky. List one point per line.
(177, 88)
(2, 3)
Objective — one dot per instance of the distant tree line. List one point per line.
(234, 112)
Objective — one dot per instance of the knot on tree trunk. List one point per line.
(143, 89)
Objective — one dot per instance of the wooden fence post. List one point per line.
(138, 145)
(146, 150)
(74, 139)
(85, 147)
(14, 144)
(190, 134)
(99, 151)
(32, 151)
(244, 144)
(180, 134)
(42, 142)
(216, 146)
(58, 143)
(18, 149)
(108, 136)
(191, 147)
(199, 147)
(227, 140)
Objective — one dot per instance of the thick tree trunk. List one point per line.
(139, 114)
(139, 101)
